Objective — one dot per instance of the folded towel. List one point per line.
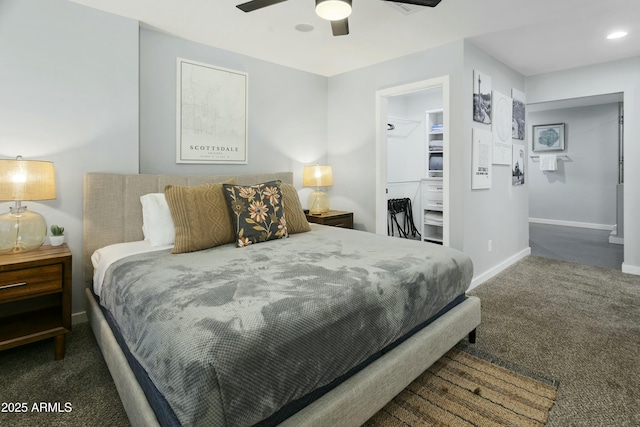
(435, 145)
(548, 162)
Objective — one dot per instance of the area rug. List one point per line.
(464, 390)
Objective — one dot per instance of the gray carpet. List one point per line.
(579, 325)
(29, 374)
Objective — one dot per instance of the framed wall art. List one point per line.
(481, 159)
(501, 128)
(519, 110)
(548, 137)
(517, 164)
(211, 110)
(481, 97)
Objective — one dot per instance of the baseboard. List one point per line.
(478, 280)
(616, 240)
(593, 226)
(631, 269)
(80, 317)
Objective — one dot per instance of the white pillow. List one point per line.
(157, 225)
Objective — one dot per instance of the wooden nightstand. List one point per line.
(35, 297)
(334, 218)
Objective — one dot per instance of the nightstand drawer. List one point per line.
(30, 281)
(344, 222)
(333, 218)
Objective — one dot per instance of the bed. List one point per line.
(346, 395)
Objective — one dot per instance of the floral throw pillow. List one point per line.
(257, 212)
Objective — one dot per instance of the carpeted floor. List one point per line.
(576, 324)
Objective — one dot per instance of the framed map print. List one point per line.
(211, 114)
(548, 137)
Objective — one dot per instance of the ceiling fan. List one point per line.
(336, 11)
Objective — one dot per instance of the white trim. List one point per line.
(631, 269)
(480, 279)
(572, 224)
(80, 317)
(381, 147)
(616, 240)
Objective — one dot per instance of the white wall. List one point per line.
(582, 190)
(610, 77)
(69, 94)
(287, 110)
(352, 125)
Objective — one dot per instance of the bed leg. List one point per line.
(472, 336)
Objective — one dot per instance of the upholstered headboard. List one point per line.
(112, 212)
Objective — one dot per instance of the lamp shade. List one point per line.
(317, 176)
(333, 10)
(22, 230)
(27, 180)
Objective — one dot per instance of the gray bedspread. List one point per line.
(229, 335)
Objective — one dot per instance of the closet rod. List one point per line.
(403, 119)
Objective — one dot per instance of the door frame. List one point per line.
(381, 147)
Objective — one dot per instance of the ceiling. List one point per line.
(530, 36)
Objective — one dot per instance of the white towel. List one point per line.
(548, 162)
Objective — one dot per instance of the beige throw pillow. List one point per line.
(201, 217)
(296, 219)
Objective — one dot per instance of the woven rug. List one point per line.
(464, 390)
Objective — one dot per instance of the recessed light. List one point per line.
(305, 28)
(617, 35)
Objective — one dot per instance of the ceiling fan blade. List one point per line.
(341, 27)
(250, 6)
(429, 3)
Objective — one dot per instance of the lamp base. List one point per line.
(21, 230)
(318, 202)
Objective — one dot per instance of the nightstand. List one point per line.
(35, 297)
(334, 218)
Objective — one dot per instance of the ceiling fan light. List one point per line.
(333, 10)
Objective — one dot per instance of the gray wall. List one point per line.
(499, 214)
(583, 189)
(68, 94)
(611, 77)
(287, 110)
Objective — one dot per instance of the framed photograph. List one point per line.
(548, 137)
(519, 109)
(517, 164)
(481, 97)
(211, 110)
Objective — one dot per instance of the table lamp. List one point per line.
(22, 230)
(317, 176)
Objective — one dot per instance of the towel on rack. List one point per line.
(548, 162)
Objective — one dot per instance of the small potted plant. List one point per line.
(57, 235)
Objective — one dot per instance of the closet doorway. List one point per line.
(406, 116)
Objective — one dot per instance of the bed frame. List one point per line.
(113, 214)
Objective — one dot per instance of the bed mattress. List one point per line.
(230, 335)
